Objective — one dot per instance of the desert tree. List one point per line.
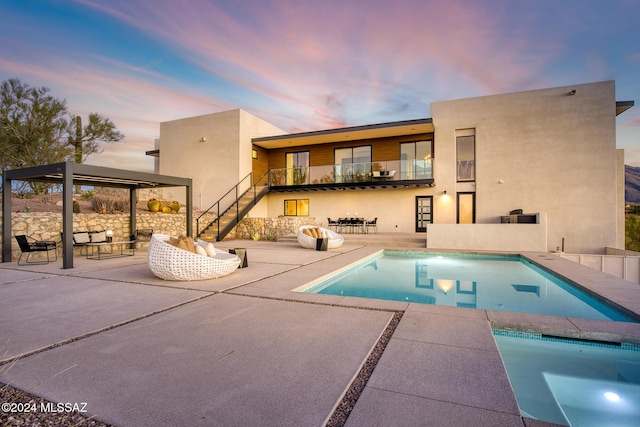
(33, 126)
(87, 140)
(37, 129)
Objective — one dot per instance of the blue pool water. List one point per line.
(572, 382)
(505, 283)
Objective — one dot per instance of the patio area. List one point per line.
(246, 350)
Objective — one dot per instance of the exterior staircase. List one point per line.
(231, 208)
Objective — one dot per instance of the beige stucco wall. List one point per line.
(395, 209)
(490, 237)
(554, 153)
(216, 164)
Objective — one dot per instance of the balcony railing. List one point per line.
(393, 170)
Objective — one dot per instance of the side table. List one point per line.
(242, 254)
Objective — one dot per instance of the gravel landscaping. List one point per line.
(28, 410)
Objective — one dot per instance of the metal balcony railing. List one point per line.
(393, 170)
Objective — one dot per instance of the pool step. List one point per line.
(385, 240)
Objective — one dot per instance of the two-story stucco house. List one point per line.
(458, 175)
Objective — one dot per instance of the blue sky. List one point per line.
(307, 65)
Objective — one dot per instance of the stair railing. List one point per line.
(243, 187)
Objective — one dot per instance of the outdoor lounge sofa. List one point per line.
(169, 262)
(309, 242)
(81, 238)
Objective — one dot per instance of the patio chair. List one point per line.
(142, 235)
(372, 224)
(358, 225)
(29, 245)
(333, 223)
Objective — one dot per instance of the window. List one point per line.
(298, 207)
(352, 164)
(466, 155)
(297, 165)
(415, 160)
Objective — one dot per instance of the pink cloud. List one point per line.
(292, 54)
(301, 65)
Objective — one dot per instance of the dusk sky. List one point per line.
(307, 65)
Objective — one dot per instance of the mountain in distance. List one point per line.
(631, 184)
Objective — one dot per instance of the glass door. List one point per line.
(297, 165)
(466, 208)
(424, 213)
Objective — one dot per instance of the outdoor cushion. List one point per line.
(210, 249)
(81, 238)
(98, 237)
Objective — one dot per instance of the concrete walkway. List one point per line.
(246, 350)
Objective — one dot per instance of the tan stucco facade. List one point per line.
(214, 150)
(549, 151)
(542, 151)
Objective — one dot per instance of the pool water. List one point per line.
(492, 282)
(573, 382)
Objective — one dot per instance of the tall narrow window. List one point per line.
(466, 155)
(352, 164)
(297, 165)
(415, 160)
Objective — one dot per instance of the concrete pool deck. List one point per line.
(246, 350)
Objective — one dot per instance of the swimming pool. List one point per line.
(572, 382)
(493, 282)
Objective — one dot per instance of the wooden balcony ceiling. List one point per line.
(380, 130)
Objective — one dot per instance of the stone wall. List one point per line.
(47, 226)
(268, 228)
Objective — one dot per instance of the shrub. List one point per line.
(632, 233)
(87, 195)
(108, 205)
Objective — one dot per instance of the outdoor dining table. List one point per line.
(351, 225)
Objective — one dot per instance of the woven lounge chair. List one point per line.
(308, 242)
(171, 263)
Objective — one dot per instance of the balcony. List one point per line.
(393, 174)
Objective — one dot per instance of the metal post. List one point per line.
(189, 209)
(6, 217)
(132, 212)
(67, 215)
